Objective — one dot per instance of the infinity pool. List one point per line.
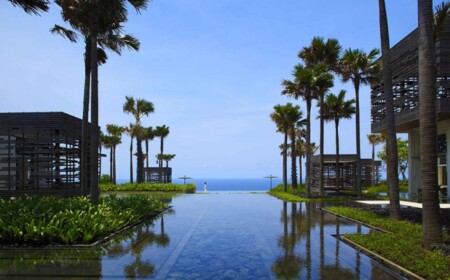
(213, 236)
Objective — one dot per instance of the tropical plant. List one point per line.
(166, 158)
(138, 108)
(300, 151)
(431, 227)
(321, 52)
(391, 136)
(361, 68)
(286, 118)
(161, 132)
(402, 149)
(148, 135)
(91, 17)
(132, 130)
(334, 109)
(375, 139)
(115, 138)
(31, 6)
(308, 83)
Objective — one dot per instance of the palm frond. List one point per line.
(64, 32)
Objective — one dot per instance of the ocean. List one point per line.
(217, 184)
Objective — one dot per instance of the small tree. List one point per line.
(402, 150)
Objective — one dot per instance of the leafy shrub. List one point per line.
(152, 187)
(46, 220)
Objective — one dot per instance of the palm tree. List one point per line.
(132, 130)
(327, 53)
(375, 139)
(360, 68)
(148, 135)
(391, 135)
(138, 108)
(109, 36)
(166, 158)
(287, 117)
(93, 16)
(300, 150)
(334, 109)
(431, 227)
(115, 138)
(31, 6)
(161, 132)
(308, 82)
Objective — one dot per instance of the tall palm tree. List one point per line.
(110, 37)
(300, 150)
(391, 135)
(138, 108)
(132, 130)
(375, 139)
(115, 138)
(161, 132)
(360, 68)
(31, 6)
(96, 14)
(327, 53)
(431, 227)
(286, 118)
(334, 109)
(148, 135)
(307, 83)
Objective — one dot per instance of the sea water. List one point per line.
(229, 184)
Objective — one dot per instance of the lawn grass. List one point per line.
(298, 195)
(49, 220)
(148, 187)
(401, 244)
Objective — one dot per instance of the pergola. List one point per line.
(347, 171)
(39, 154)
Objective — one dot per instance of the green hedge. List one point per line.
(298, 195)
(402, 245)
(50, 220)
(151, 187)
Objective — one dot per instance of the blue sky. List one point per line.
(212, 68)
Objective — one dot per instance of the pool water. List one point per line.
(213, 236)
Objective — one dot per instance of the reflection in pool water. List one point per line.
(214, 236)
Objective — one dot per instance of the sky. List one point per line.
(212, 69)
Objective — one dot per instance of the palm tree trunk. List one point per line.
(111, 172)
(114, 165)
(300, 170)
(131, 160)
(321, 190)
(95, 192)
(285, 161)
(293, 160)
(308, 147)
(431, 227)
(391, 141)
(358, 143)
(84, 164)
(140, 161)
(336, 125)
(373, 165)
(160, 159)
(146, 151)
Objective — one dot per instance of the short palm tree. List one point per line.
(431, 226)
(138, 108)
(308, 83)
(321, 52)
(148, 135)
(361, 68)
(115, 138)
(161, 132)
(375, 139)
(166, 158)
(32, 6)
(334, 109)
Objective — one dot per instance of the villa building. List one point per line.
(39, 154)
(404, 58)
(347, 171)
